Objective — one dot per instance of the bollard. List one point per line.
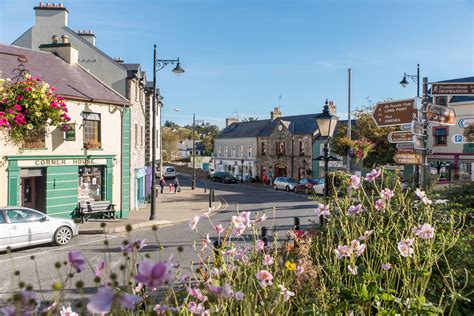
(210, 199)
(296, 223)
(205, 187)
(264, 235)
(213, 195)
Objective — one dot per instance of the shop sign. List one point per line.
(450, 88)
(61, 162)
(443, 115)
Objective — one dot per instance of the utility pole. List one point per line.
(193, 182)
(153, 141)
(349, 120)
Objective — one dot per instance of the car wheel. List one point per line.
(63, 236)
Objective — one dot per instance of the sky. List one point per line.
(241, 56)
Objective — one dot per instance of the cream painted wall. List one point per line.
(111, 131)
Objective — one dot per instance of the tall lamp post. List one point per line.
(404, 83)
(158, 64)
(326, 122)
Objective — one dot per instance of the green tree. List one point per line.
(170, 124)
(169, 139)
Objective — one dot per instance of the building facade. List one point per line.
(83, 164)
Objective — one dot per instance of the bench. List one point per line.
(88, 210)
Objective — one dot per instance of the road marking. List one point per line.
(58, 249)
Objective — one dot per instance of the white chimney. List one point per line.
(87, 35)
(64, 49)
(229, 121)
(51, 14)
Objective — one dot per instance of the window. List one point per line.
(91, 130)
(136, 135)
(440, 135)
(226, 153)
(23, 216)
(70, 132)
(241, 150)
(264, 149)
(250, 152)
(301, 148)
(280, 148)
(90, 183)
(233, 151)
(141, 136)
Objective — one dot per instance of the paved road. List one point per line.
(244, 197)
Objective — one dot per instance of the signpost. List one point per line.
(450, 88)
(393, 113)
(408, 158)
(417, 128)
(443, 115)
(406, 146)
(418, 142)
(400, 137)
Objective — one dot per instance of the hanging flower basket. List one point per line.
(28, 107)
(362, 147)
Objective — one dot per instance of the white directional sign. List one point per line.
(418, 142)
(416, 128)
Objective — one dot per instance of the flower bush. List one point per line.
(28, 106)
(375, 255)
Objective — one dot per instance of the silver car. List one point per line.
(284, 183)
(23, 227)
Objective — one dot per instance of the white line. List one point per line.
(58, 249)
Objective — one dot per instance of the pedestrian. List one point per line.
(162, 184)
(176, 185)
(171, 187)
(264, 178)
(270, 177)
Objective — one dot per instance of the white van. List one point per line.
(169, 172)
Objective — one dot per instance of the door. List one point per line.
(4, 232)
(27, 227)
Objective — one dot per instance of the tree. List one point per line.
(365, 127)
(169, 139)
(170, 124)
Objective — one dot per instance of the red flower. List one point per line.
(19, 98)
(17, 107)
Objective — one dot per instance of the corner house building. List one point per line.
(82, 164)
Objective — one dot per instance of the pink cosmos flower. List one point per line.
(99, 268)
(239, 296)
(354, 210)
(405, 248)
(366, 235)
(422, 196)
(101, 302)
(206, 243)
(322, 210)
(386, 266)
(386, 194)
(220, 229)
(261, 219)
(374, 174)
(343, 251)
(154, 274)
(197, 309)
(138, 244)
(355, 181)
(299, 270)
(67, 311)
(425, 231)
(193, 223)
(268, 260)
(352, 269)
(357, 247)
(76, 260)
(264, 277)
(379, 204)
(17, 107)
(260, 245)
(163, 309)
(195, 292)
(286, 293)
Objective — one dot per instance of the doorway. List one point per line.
(280, 169)
(33, 189)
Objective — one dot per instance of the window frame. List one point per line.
(88, 117)
(435, 137)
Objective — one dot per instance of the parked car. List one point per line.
(169, 172)
(319, 188)
(23, 227)
(284, 183)
(224, 177)
(306, 185)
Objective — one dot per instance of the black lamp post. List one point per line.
(326, 125)
(158, 64)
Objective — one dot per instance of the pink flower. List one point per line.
(163, 309)
(66, 117)
(367, 233)
(374, 174)
(11, 111)
(287, 294)
(243, 219)
(101, 302)
(239, 296)
(17, 107)
(357, 247)
(268, 260)
(154, 274)
(354, 210)
(322, 210)
(425, 231)
(206, 243)
(20, 119)
(195, 292)
(54, 105)
(260, 245)
(299, 270)
(193, 223)
(422, 196)
(264, 277)
(19, 97)
(220, 229)
(4, 121)
(67, 311)
(28, 89)
(2, 113)
(386, 266)
(386, 194)
(137, 244)
(99, 268)
(261, 219)
(343, 251)
(379, 204)
(404, 247)
(355, 181)
(76, 260)
(352, 269)
(197, 309)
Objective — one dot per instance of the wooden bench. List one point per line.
(90, 209)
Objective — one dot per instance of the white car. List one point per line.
(169, 172)
(23, 227)
(284, 183)
(211, 172)
(319, 188)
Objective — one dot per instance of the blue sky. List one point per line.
(239, 56)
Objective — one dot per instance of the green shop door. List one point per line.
(61, 190)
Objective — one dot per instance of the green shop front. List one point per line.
(55, 184)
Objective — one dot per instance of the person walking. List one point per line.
(264, 178)
(176, 185)
(270, 178)
(162, 184)
(171, 187)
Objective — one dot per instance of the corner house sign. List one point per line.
(61, 162)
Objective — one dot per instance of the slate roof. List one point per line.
(71, 81)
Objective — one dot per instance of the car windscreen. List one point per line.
(169, 169)
(291, 180)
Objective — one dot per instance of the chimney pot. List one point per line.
(55, 39)
(54, 5)
(41, 4)
(61, 5)
(65, 39)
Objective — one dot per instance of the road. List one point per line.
(242, 197)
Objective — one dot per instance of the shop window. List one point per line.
(90, 183)
(280, 148)
(301, 148)
(91, 130)
(440, 135)
(465, 171)
(264, 149)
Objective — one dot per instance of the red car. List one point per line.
(306, 185)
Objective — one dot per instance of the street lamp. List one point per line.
(326, 122)
(158, 64)
(242, 170)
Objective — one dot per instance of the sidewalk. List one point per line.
(170, 208)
